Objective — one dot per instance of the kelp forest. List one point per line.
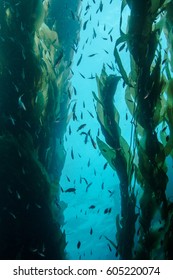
(38, 101)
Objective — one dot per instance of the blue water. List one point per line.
(88, 163)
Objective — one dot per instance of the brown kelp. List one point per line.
(30, 104)
(148, 96)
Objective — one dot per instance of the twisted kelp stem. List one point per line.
(117, 153)
(28, 51)
(149, 108)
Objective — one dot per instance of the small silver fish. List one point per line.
(21, 104)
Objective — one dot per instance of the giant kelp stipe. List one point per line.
(86, 129)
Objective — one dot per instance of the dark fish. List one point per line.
(105, 165)
(122, 47)
(81, 115)
(68, 178)
(89, 162)
(72, 154)
(113, 68)
(88, 186)
(111, 38)
(87, 7)
(106, 210)
(74, 117)
(83, 133)
(74, 107)
(73, 190)
(126, 116)
(129, 100)
(82, 178)
(111, 193)
(85, 24)
(109, 66)
(104, 38)
(110, 31)
(85, 13)
(94, 33)
(79, 61)
(86, 138)
(164, 61)
(164, 128)
(69, 93)
(91, 55)
(82, 75)
(102, 186)
(69, 130)
(92, 207)
(100, 8)
(72, 71)
(104, 28)
(91, 231)
(75, 91)
(83, 104)
(109, 248)
(78, 244)
(90, 114)
(106, 51)
(81, 126)
(91, 77)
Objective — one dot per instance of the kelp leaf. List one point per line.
(96, 98)
(108, 153)
(128, 156)
(123, 38)
(123, 5)
(121, 68)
